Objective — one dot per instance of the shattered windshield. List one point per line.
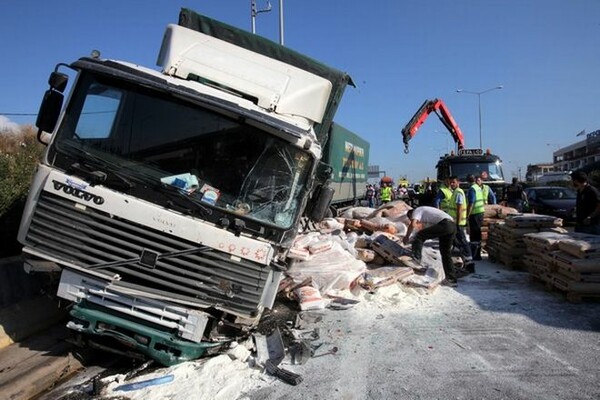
(216, 161)
(489, 171)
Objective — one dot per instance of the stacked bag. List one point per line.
(506, 242)
(567, 262)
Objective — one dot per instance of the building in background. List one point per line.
(579, 154)
(535, 171)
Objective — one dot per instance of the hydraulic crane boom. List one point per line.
(440, 109)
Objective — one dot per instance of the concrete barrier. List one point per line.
(33, 366)
(27, 318)
(27, 305)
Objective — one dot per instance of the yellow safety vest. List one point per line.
(478, 205)
(462, 219)
(445, 202)
(486, 193)
(386, 193)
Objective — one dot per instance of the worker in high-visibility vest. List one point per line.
(475, 211)
(444, 194)
(386, 193)
(458, 211)
(489, 197)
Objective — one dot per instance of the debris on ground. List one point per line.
(357, 258)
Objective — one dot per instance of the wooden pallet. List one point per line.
(492, 253)
(535, 260)
(514, 243)
(576, 297)
(567, 284)
(511, 250)
(395, 253)
(531, 264)
(592, 277)
(543, 275)
(512, 262)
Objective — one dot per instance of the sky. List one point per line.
(545, 54)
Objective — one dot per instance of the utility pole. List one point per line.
(281, 22)
(254, 12)
(479, 106)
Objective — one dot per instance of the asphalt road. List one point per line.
(497, 336)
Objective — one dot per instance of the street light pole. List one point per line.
(254, 12)
(281, 22)
(479, 106)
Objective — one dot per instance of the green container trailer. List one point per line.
(348, 155)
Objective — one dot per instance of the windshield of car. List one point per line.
(555, 194)
(216, 161)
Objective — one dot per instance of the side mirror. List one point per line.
(58, 81)
(51, 104)
(49, 111)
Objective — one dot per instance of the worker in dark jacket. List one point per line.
(587, 205)
(370, 195)
(514, 195)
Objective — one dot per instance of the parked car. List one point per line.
(556, 176)
(553, 200)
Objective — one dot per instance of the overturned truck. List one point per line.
(168, 200)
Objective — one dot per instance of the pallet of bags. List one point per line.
(540, 246)
(579, 258)
(497, 211)
(576, 291)
(533, 221)
(538, 267)
(493, 214)
(511, 247)
(580, 269)
(576, 265)
(582, 246)
(544, 241)
(515, 235)
(494, 241)
(508, 243)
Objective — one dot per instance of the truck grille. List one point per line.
(89, 238)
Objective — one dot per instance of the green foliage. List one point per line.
(20, 153)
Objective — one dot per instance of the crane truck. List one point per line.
(167, 200)
(467, 161)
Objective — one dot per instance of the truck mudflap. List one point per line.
(159, 345)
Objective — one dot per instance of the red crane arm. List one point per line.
(443, 113)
